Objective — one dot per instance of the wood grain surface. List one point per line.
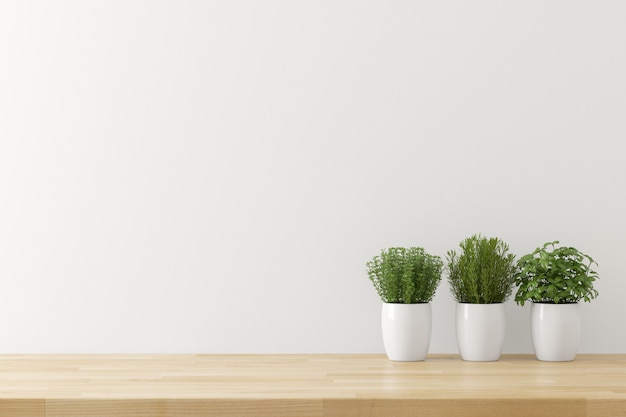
(308, 385)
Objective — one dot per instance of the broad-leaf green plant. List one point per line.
(555, 275)
(405, 275)
(483, 272)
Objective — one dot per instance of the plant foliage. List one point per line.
(405, 275)
(483, 273)
(557, 275)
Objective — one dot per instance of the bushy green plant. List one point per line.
(483, 273)
(557, 275)
(405, 275)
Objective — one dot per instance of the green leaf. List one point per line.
(557, 274)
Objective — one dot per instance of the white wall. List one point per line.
(212, 176)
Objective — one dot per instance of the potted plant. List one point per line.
(555, 279)
(406, 280)
(481, 279)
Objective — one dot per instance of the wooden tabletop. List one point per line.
(308, 385)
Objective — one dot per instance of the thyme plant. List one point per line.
(483, 272)
(556, 275)
(405, 275)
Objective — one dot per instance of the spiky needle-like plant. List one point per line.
(483, 272)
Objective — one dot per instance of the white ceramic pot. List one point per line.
(406, 330)
(480, 331)
(555, 331)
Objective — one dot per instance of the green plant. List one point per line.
(561, 275)
(405, 275)
(483, 273)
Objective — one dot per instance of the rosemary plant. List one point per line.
(484, 271)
